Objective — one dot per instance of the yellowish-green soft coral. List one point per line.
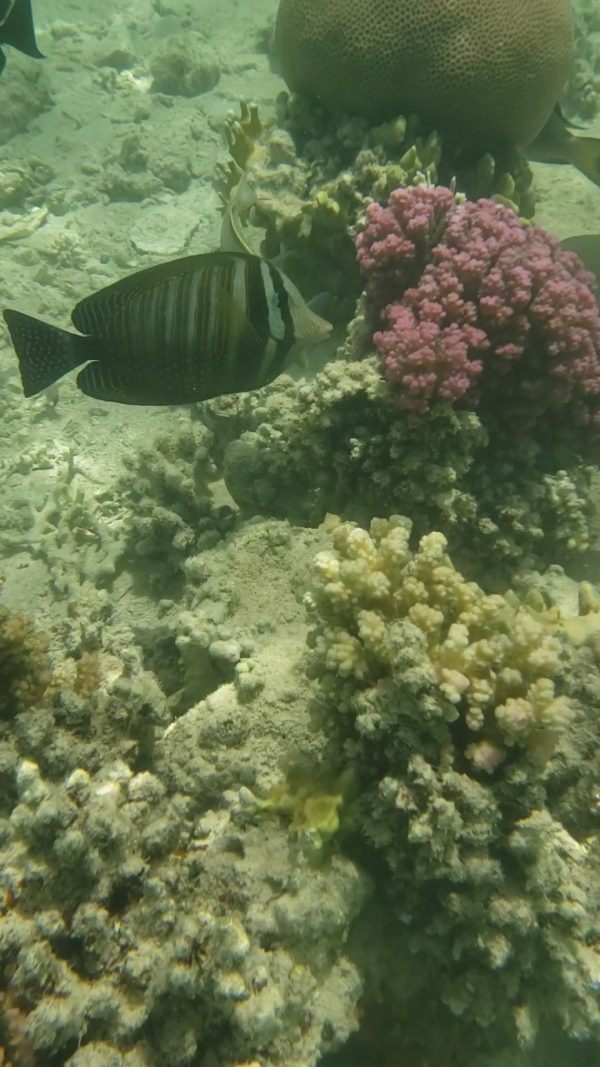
(494, 664)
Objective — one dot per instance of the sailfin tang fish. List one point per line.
(556, 144)
(175, 333)
(16, 29)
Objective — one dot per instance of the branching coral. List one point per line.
(125, 923)
(167, 492)
(487, 665)
(67, 529)
(449, 704)
(486, 312)
(340, 442)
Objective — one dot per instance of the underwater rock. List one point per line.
(184, 65)
(23, 96)
(167, 229)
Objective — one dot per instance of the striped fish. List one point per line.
(175, 333)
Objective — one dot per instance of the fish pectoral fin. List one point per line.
(44, 352)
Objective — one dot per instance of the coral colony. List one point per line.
(486, 312)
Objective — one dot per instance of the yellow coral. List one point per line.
(495, 662)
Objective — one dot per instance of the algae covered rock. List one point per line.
(184, 65)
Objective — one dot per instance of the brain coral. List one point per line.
(491, 68)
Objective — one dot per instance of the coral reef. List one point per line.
(219, 846)
(68, 529)
(509, 480)
(171, 513)
(490, 666)
(339, 442)
(15, 1049)
(148, 915)
(378, 58)
(495, 911)
(137, 921)
(475, 311)
(313, 176)
(71, 703)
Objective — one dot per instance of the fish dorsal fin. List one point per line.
(91, 312)
(234, 237)
(17, 30)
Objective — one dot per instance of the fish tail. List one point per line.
(18, 29)
(45, 352)
(585, 155)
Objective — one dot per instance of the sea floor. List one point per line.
(76, 214)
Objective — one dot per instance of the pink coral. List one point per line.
(485, 311)
(397, 242)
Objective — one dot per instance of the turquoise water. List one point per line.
(286, 780)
